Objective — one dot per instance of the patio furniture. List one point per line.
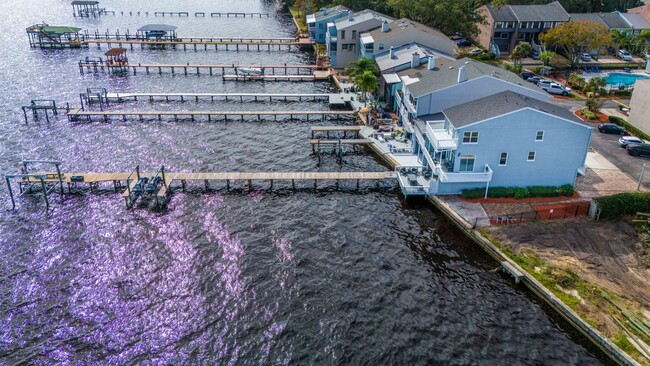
(594, 69)
(586, 70)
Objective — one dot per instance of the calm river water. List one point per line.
(333, 277)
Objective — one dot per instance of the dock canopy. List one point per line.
(157, 28)
(158, 32)
(115, 52)
(59, 30)
(84, 2)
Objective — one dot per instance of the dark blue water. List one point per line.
(332, 277)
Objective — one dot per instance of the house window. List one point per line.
(466, 163)
(321, 26)
(342, 34)
(531, 156)
(499, 25)
(504, 35)
(470, 137)
(539, 136)
(350, 46)
(521, 36)
(354, 34)
(381, 46)
(344, 47)
(503, 160)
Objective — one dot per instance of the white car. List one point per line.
(554, 88)
(475, 51)
(627, 140)
(624, 55)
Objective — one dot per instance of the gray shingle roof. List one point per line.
(637, 21)
(501, 14)
(330, 12)
(592, 17)
(499, 104)
(446, 74)
(362, 16)
(552, 12)
(614, 20)
(157, 27)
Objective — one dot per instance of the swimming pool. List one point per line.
(623, 79)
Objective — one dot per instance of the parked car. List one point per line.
(456, 37)
(585, 57)
(543, 83)
(624, 55)
(526, 75)
(611, 128)
(645, 54)
(535, 79)
(557, 89)
(475, 51)
(624, 141)
(534, 55)
(638, 149)
(463, 43)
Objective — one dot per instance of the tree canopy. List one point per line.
(576, 37)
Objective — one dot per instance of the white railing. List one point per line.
(446, 177)
(439, 137)
(409, 180)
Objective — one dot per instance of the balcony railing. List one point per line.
(412, 180)
(440, 137)
(446, 177)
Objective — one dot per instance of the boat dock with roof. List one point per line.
(76, 115)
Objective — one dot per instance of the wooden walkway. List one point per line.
(225, 45)
(317, 75)
(198, 69)
(79, 115)
(152, 97)
(340, 142)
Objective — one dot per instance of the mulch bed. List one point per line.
(525, 200)
(602, 117)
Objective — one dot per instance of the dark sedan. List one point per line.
(638, 149)
(611, 128)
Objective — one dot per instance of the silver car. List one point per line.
(628, 140)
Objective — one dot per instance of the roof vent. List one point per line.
(350, 16)
(324, 11)
(384, 26)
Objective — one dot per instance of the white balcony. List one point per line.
(413, 181)
(446, 177)
(440, 138)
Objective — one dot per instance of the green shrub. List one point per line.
(501, 192)
(589, 114)
(521, 193)
(485, 56)
(625, 124)
(623, 204)
(473, 193)
(541, 191)
(567, 190)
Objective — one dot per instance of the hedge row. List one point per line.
(623, 204)
(625, 124)
(519, 192)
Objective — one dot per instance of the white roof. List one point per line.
(392, 78)
(367, 39)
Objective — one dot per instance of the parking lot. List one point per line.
(607, 146)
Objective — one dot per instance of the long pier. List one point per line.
(127, 36)
(106, 98)
(209, 69)
(77, 114)
(226, 46)
(158, 185)
(198, 14)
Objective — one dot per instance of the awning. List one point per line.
(115, 51)
(158, 27)
(84, 2)
(367, 39)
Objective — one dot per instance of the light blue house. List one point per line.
(317, 22)
(442, 83)
(506, 139)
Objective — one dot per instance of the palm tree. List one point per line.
(367, 83)
(547, 57)
(641, 39)
(520, 51)
(360, 66)
(621, 39)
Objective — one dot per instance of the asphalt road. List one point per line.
(607, 146)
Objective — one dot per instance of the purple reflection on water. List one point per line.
(284, 245)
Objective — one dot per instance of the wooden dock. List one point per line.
(77, 114)
(106, 98)
(206, 44)
(316, 76)
(330, 129)
(340, 142)
(163, 187)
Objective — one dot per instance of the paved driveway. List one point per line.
(607, 146)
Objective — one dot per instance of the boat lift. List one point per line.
(48, 181)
